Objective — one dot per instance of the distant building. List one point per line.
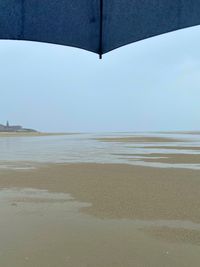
(14, 128)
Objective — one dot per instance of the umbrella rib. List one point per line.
(101, 30)
(22, 19)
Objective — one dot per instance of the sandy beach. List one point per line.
(135, 216)
(101, 214)
(29, 134)
(145, 139)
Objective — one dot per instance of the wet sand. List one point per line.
(29, 134)
(117, 215)
(173, 158)
(181, 132)
(141, 139)
(197, 148)
(166, 158)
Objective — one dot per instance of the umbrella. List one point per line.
(98, 26)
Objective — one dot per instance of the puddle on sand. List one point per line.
(27, 198)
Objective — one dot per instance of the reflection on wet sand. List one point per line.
(159, 151)
(95, 214)
(39, 227)
(18, 152)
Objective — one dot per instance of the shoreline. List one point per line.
(31, 134)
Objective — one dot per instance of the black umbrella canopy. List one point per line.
(98, 26)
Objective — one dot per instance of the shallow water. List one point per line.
(27, 152)
(41, 228)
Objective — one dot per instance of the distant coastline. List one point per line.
(15, 129)
(30, 134)
(8, 130)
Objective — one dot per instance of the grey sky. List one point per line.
(150, 85)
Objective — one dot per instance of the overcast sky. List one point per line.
(149, 85)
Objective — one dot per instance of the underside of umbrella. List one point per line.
(98, 26)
